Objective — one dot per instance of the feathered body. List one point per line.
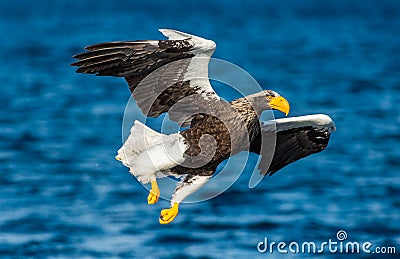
(227, 138)
(147, 152)
(171, 76)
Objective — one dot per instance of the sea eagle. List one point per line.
(171, 76)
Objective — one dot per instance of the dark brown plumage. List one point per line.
(230, 130)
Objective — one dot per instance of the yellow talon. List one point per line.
(154, 193)
(168, 215)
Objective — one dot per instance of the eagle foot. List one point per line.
(168, 215)
(154, 193)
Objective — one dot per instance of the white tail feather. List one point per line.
(147, 152)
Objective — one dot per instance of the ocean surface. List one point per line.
(62, 193)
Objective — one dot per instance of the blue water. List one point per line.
(63, 194)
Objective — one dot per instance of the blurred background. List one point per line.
(63, 194)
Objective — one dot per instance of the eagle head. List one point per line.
(268, 99)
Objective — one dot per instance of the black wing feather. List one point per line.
(155, 70)
(291, 145)
(131, 59)
(135, 60)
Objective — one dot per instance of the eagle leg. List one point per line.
(154, 193)
(168, 215)
(189, 185)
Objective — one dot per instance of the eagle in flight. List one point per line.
(171, 76)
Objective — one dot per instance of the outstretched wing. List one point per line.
(296, 137)
(159, 72)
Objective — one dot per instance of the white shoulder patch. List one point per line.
(201, 45)
(320, 121)
(197, 70)
(175, 35)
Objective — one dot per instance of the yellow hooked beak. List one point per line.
(279, 103)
